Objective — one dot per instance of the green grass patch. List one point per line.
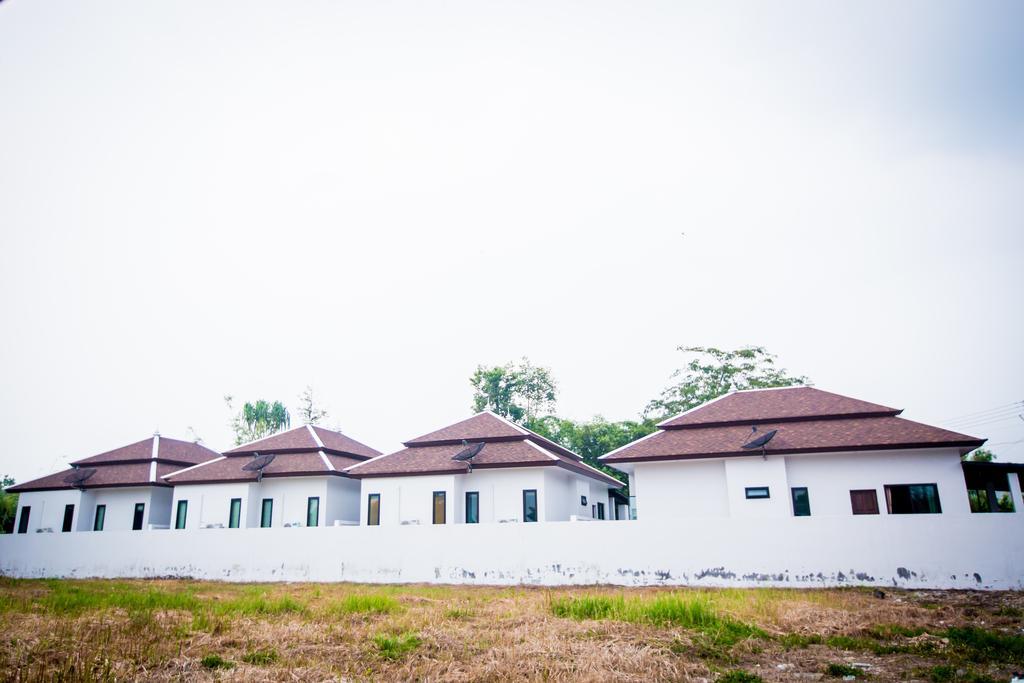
(364, 604)
(260, 657)
(457, 613)
(395, 647)
(214, 661)
(738, 676)
(981, 645)
(840, 670)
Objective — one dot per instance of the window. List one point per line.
(313, 511)
(583, 501)
(373, 510)
(140, 516)
(801, 502)
(912, 499)
(530, 505)
(23, 522)
(988, 491)
(472, 507)
(101, 516)
(864, 501)
(267, 513)
(235, 514)
(69, 517)
(439, 507)
(181, 514)
(757, 492)
(600, 510)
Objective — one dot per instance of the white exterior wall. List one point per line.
(209, 505)
(926, 551)
(120, 504)
(716, 487)
(409, 499)
(46, 509)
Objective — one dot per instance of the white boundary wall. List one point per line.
(927, 551)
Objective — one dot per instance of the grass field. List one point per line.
(175, 630)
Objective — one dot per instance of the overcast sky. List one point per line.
(210, 198)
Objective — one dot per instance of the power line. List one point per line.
(990, 422)
(1015, 405)
(1010, 412)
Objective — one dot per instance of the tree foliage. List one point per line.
(980, 455)
(257, 420)
(8, 505)
(592, 438)
(518, 391)
(309, 411)
(713, 372)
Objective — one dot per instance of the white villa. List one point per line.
(293, 478)
(118, 490)
(480, 470)
(800, 451)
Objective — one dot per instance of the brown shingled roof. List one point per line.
(230, 468)
(767, 405)
(306, 438)
(808, 421)
(505, 445)
(127, 466)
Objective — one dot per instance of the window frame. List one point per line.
(266, 520)
(181, 514)
(444, 507)
(536, 506)
(139, 517)
(600, 511)
(68, 523)
(874, 498)
(309, 505)
(749, 492)
(236, 512)
(99, 517)
(26, 515)
(888, 498)
(807, 496)
(372, 520)
(475, 507)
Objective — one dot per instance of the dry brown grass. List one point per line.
(96, 630)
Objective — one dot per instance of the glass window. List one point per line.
(801, 502)
(267, 513)
(864, 501)
(23, 522)
(583, 501)
(530, 505)
(472, 507)
(140, 516)
(757, 492)
(101, 516)
(373, 510)
(69, 517)
(988, 491)
(235, 514)
(912, 499)
(600, 510)
(181, 514)
(439, 507)
(313, 512)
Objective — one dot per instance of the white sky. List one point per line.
(373, 197)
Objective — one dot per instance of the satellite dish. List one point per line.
(760, 441)
(77, 477)
(258, 464)
(469, 452)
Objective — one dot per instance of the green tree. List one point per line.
(309, 411)
(258, 420)
(518, 391)
(593, 438)
(713, 372)
(8, 505)
(980, 455)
